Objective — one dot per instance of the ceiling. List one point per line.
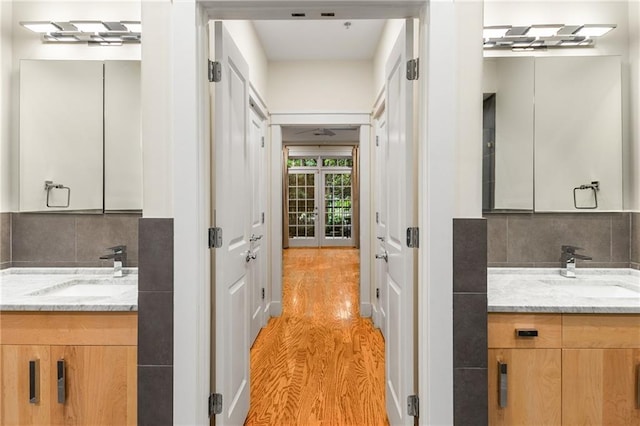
(313, 134)
(319, 39)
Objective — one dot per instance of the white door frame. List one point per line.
(363, 120)
(188, 199)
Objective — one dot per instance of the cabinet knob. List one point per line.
(34, 381)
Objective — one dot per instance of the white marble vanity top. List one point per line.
(545, 290)
(68, 289)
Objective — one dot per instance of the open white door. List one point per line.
(381, 266)
(231, 206)
(258, 255)
(401, 214)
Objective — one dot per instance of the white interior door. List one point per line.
(400, 209)
(232, 186)
(258, 256)
(382, 266)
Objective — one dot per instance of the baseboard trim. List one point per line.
(365, 310)
(275, 309)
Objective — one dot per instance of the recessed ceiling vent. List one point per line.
(327, 14)
(298, 15)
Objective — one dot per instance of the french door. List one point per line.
(320, 203)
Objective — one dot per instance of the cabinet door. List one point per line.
(533, 387)
(122, 144)
(600, 386)
(100, 385)
(25, 391)
(61, 132)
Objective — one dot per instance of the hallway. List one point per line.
(319, 363)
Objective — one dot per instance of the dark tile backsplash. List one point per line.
(5, 240)
(76, 240)
(534, 240)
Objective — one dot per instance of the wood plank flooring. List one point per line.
(319, 363)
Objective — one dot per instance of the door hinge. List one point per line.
(262, 293)
(262, 217)
(215, 71)
(215, 404)
(215, 237)
(262, 142)
(377, 217)
(413, 237)
(413, 69)
(413, 406)
(377, 293)
(377, 140)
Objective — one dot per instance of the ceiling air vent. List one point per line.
(298, 15)
(327, 14)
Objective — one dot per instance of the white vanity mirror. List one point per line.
(552, 134)
(80, 147)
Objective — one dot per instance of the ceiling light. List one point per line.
(90, 26)
(590, 30)
(132, 26)
(495, 32)
(61, 38)
(41, 27)
(543, 30)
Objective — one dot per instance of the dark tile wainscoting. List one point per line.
(534, 240)
(155, 322)
(470, 322)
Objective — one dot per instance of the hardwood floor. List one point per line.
(319, 363)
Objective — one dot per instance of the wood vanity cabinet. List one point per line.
(85, 370)
(525, 373)
(579, 369)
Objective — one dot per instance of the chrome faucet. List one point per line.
(568, 259)
(119, 257)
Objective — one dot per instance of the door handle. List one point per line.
(62, 385)
(381, 239)
(34, 381)
(503, 385)
(250, 256)
(255, 238)
(384, 256)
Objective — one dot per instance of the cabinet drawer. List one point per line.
(601, 331)
(524, 330)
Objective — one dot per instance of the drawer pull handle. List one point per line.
(526, 332)
(34, 381)
(62, 394)
(502, 386)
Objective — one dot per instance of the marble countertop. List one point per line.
(545, 290)
(68, 289)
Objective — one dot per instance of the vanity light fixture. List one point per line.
(535, 37)
(97, 33)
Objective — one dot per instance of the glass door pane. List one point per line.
(303, 209)
(337, 209)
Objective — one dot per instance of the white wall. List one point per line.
(156, 83)
(246, 38)
(339, 86)
(385, 44)
(27, 45)
(6, 38)
(617, 42)
(468, 41)
(633, 150)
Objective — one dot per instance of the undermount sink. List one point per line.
(92, 287)
(609, 288)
